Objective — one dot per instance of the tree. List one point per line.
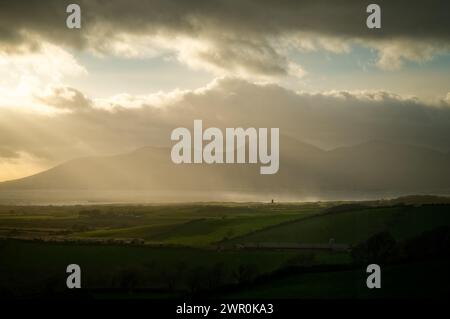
(379, 248)
(217, 275)
(430, 244)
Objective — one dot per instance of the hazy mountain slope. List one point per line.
(378, 165)
(304, 168)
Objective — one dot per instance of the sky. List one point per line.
(138, 69)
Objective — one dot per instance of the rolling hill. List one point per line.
(354, 226)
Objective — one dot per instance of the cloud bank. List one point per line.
(245, 37)
(82, 126)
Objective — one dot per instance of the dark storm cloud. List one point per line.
(412, 19)
(240, 33)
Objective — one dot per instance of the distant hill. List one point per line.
(368, 167)
(419, 200)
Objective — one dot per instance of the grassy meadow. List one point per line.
(161, 251)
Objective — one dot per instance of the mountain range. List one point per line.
(370, 167)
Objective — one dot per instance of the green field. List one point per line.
(197, 232)
(352, 227)
(158, 251)
(192, 225)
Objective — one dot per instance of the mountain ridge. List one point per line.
(370, 166)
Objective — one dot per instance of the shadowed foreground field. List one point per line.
(226, 250)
